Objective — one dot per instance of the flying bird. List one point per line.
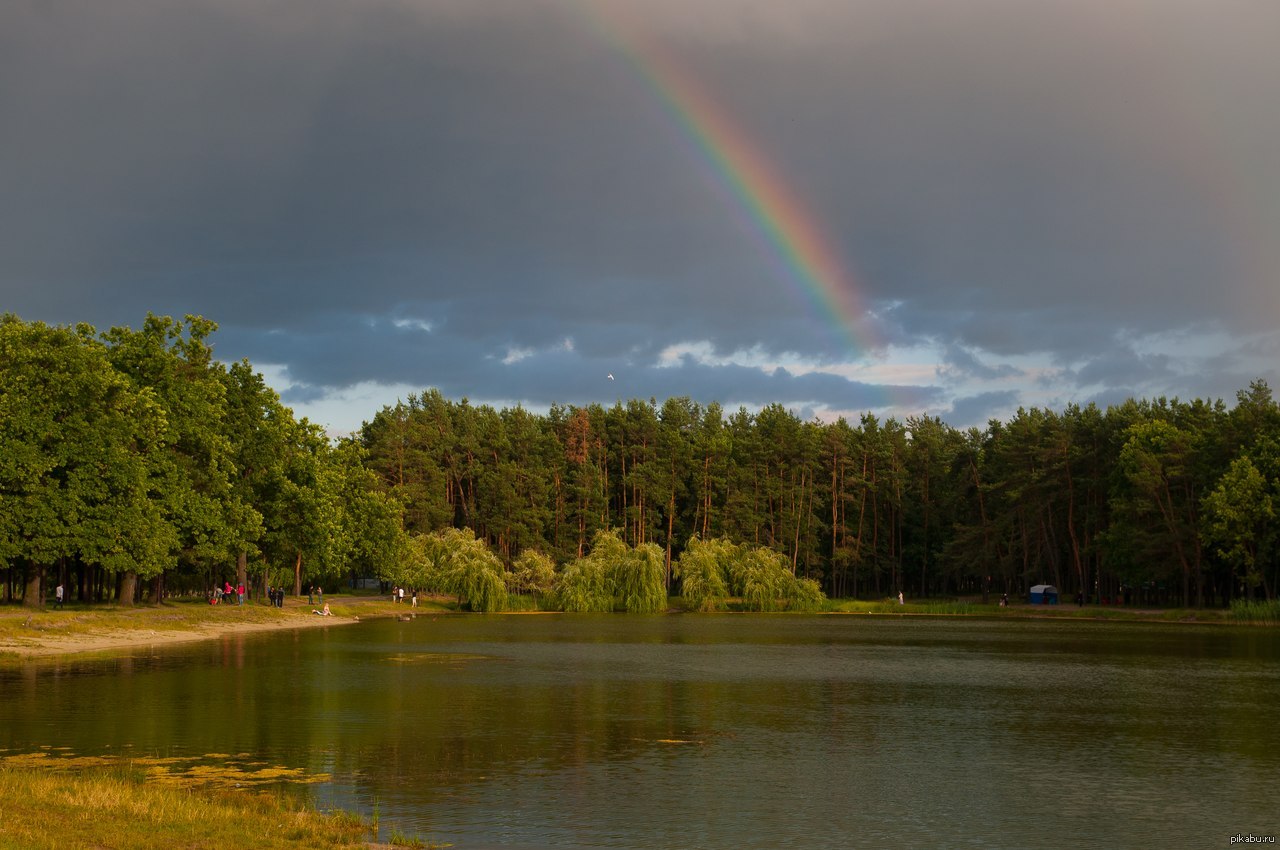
(611, 376)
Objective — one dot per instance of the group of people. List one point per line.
(313, 593)
(227, 593)
(397, 596)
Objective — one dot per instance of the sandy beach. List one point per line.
(42, 633)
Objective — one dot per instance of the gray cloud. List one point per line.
(975, 411)
(1001, 179)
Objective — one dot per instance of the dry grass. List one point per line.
(119, 806)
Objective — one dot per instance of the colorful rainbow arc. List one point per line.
(793, 237)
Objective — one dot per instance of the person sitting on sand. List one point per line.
(324, 613)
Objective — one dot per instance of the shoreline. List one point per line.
(32, 635)
(93, 641)
(28, 635)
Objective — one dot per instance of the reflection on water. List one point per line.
(714, 731)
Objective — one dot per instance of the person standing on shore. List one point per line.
(57, 596)
(240, 594)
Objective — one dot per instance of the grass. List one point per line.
(967, 608)
(891, 606)
(119, 806)
(1250, 611)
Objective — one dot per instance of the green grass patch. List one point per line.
(969, 608)
(940, 607)
(1250, 611)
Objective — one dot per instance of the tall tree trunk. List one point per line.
(857, 541)
(671, 521)
(297, 576)
(128, 588)
(35, 586)
(242, 570)
(1071, 529)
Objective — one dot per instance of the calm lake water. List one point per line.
(733, 731)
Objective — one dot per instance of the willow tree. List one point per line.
(639, 579)
(589, 583)
(702, 569)
(454, 561)
(762, 578)
(531, 572)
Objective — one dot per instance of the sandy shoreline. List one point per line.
(42, 647)
(49, 639)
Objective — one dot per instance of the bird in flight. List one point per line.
(611, 376)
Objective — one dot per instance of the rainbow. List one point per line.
(792, 236)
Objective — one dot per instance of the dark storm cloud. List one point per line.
(327, 178)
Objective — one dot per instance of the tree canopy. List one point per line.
(134, 455)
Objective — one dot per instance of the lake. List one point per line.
(713, 731)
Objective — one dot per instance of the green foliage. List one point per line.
(805, 594)
(532, 572)
(702, 569)
(583, 587)
(711, 571)
(614, 575)
(135, 453)
(191, 476)
(639, 580)
(454, 561)
(1254, 611)
(75, 443)
(1238, 518)
(762, 579)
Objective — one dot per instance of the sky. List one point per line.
(950, 208)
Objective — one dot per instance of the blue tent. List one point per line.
(1043, 594)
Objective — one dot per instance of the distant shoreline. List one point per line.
(30, 635)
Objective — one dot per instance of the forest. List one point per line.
(132, 457)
